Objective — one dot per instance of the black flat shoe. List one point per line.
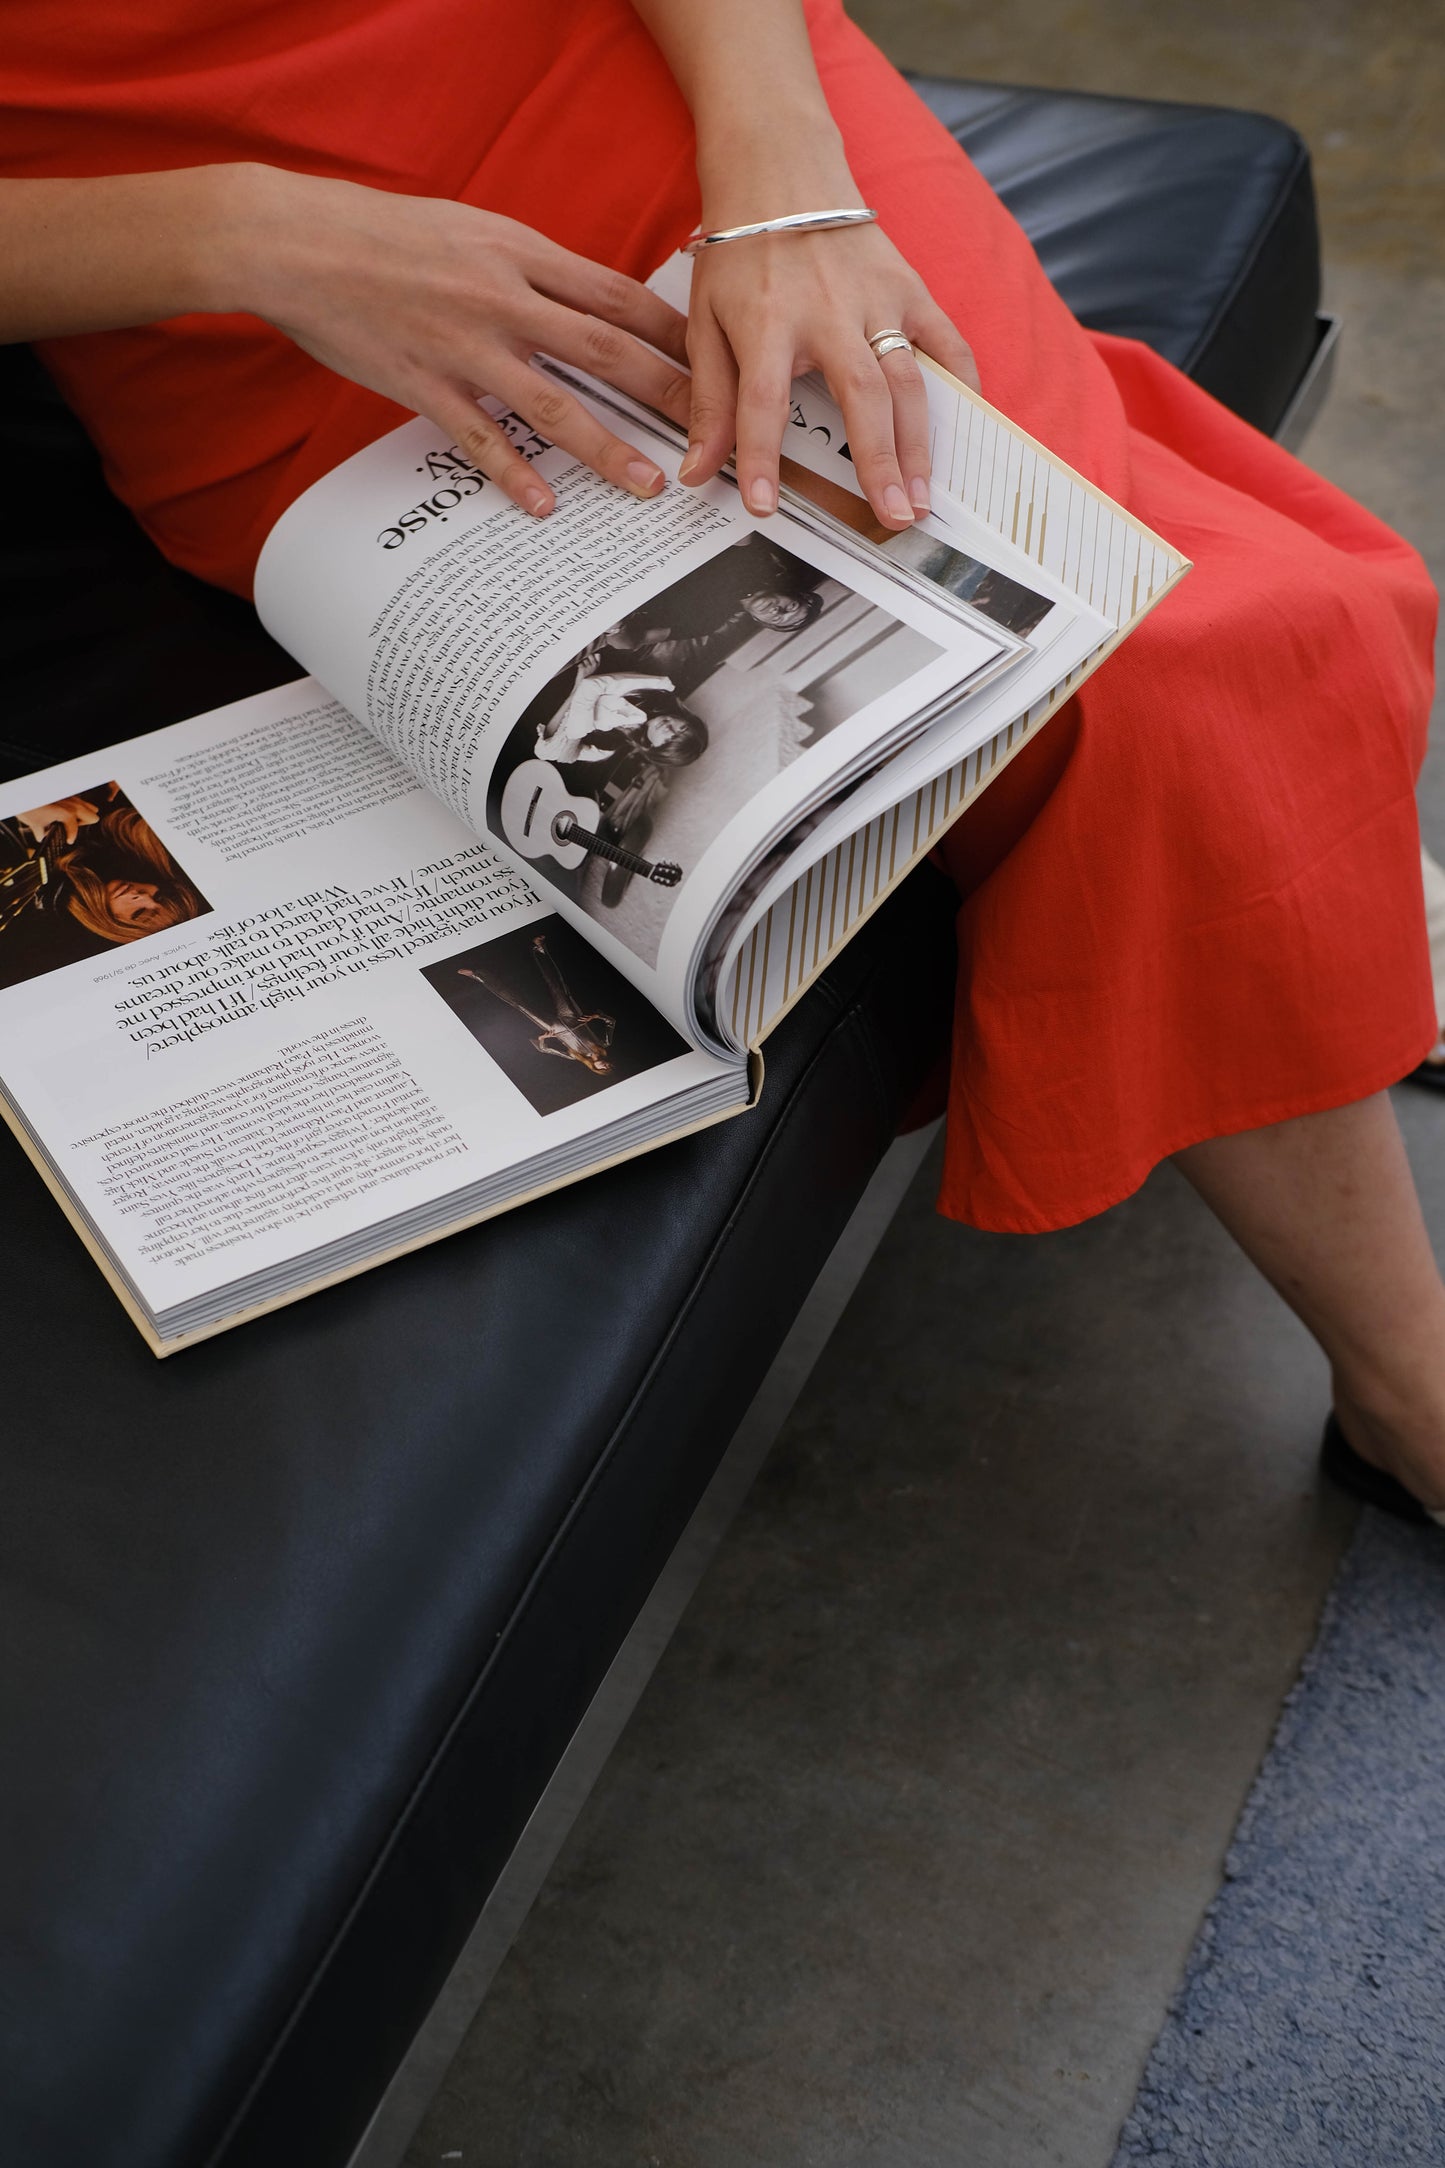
(1430, 1073)
(1343, 1465)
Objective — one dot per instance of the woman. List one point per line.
(690, 658)
(610, 711)
(1191, 920)
(1431, 1071)
(122, 882)
(570, 1032)
(111, 880)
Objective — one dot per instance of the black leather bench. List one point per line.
(297, 1626)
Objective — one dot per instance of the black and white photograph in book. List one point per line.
(637, 754)
(983, 587)
(554, 1016)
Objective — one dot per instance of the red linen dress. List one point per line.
(1194, 906)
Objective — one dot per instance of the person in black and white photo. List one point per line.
(608, 712)
(640, 642)
(670, 720)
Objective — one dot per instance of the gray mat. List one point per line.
(1310, 2026)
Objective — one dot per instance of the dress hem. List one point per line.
(1264, 1118)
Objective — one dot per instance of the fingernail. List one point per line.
(762, 497)
(537, 502)
(897, 505)
(918, 491)
(643, 478)
(691, 463)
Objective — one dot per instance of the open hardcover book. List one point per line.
(516, 882)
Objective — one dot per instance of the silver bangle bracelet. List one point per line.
(797, 222)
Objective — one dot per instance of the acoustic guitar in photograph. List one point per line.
(541, 818)
(38, 882)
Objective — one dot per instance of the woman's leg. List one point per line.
(1435, 919)
(1326, 1207)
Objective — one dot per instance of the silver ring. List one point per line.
(891, 341)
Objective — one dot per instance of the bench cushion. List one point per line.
(1187, 226)
(297, 1624)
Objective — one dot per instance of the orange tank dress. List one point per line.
(1194, 906)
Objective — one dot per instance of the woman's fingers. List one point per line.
(885, 407)
(555, 415)
(712, 420)
(737, 401)
(935, 335)
(765, 384)
(591, 343)
(904, 379)
(565, 422)
(578, 283)
(488, 447)
(865, 393)
(553, 412)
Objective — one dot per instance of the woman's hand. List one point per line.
(428, 302)
(614, 711)
(767, 310)
(771, 308)
(434, 304)
(68, 814)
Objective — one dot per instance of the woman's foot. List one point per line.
(1327, 1208)
(1375, 1458)
(1431, 1072)
(1344, 1466)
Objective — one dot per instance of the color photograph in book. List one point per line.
(559, 1022)
(635, 756)
(81, 876)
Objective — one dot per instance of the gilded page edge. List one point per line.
(1092, 489)
(1063, 694)
(163, 1347)
(47, 1175)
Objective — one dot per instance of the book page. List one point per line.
(260, 994)
(1061, 633)
(1002, 481)
(632, 700)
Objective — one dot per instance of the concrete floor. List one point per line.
(899, 1860)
